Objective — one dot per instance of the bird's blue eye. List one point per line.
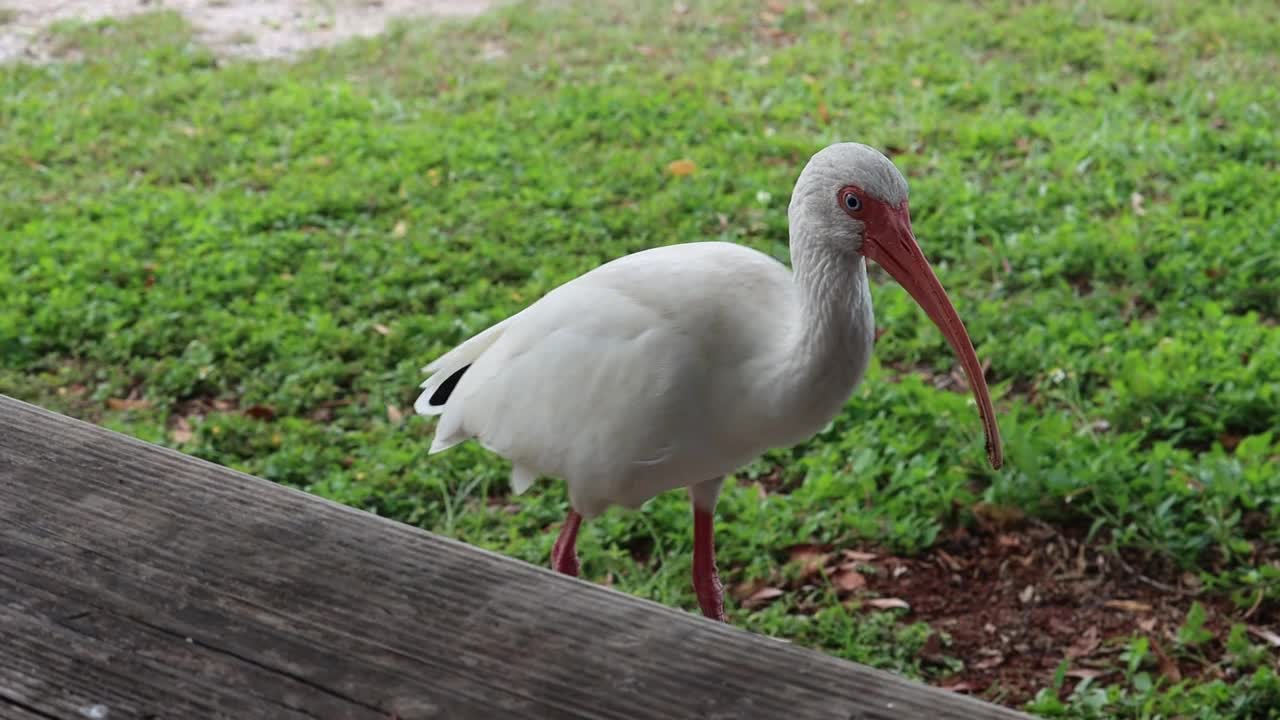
(852, 202)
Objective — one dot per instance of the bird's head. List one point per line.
(854, 199)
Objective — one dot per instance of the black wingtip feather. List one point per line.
(442, 393)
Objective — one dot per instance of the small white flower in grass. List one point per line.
(763, 197)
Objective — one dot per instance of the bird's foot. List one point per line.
(706, 581)
(711, 597)
(565, 562)
(564, 554)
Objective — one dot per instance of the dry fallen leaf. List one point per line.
(848, 580)
(859, 556)
(888, 604)
(260, 412)
(1135, 202)
(681, 168)
(400, 230)
(128, 403)
(394, 415)
(1085, 644)
(762, 597)
(1264, 634)
(932, 652)
(1168, 667)
(1132, 606)
(950, 561)
(989, 662)
(1084, 674)
(824, 114)
(998, 516)
(803, 552)
(381, 329)
(809, 557)
(743, 590)
(1008, 541)
(1060, 626)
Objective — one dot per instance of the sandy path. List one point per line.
(243, 28)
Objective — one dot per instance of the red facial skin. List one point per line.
(890, 242)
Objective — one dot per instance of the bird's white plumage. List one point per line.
(659, 370)
(674, 366)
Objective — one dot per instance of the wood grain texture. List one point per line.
(161, 586)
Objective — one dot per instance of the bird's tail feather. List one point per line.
(447, 371)
(522, 478)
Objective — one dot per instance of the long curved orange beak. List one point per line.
(891, 244)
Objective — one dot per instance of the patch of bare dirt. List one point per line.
(1017, 598)
(1016, 604)
(239, 28)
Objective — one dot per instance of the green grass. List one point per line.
(1096, 184)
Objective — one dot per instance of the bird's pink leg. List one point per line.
(564, 554)
(706, 582)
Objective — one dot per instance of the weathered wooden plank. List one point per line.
(158, 585)
(145, 660)
(10, 711)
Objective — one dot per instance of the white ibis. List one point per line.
(675, 366)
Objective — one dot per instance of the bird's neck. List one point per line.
(835, 330)
(836, 322)
(823, 353)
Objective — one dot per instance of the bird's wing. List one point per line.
(588, 369)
